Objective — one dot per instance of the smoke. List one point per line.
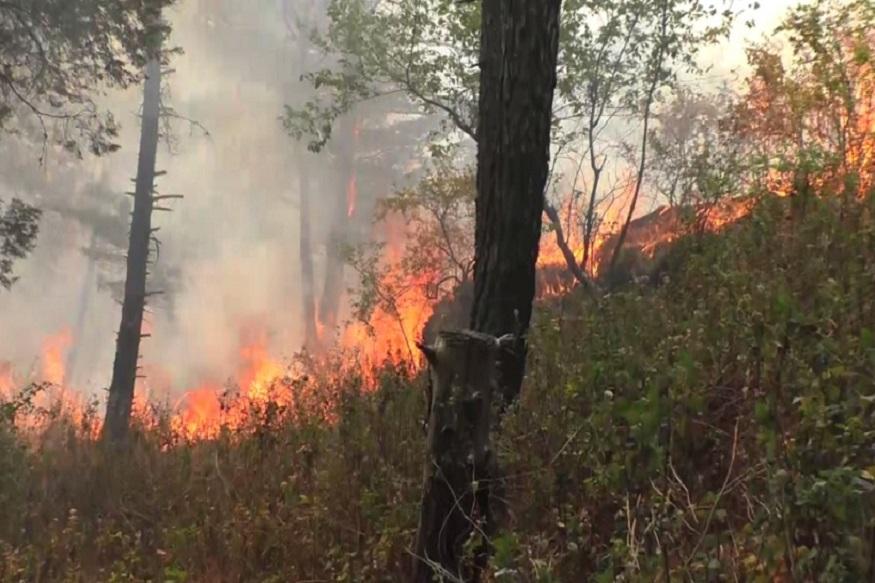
(229, 251)
(228, 255)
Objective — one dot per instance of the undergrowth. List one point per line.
(717, 425)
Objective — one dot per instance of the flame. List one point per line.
(395, 326)
(352, 194)
(258, 371)
(54, 350)
(7, 381)
(199, 412)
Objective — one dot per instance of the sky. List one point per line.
(230, 248)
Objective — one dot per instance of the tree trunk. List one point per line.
(459, 461)
(518, 55)
(308, 288)
(124, 371)
(332, 290)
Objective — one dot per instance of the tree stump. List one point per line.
(459, 464)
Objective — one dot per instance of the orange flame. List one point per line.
(352, 193)
(199, 412)
(54, 350)
(259, 371)
(7, 381)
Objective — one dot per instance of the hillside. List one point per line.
(717, 423)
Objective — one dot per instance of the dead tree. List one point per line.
(124, 370)
(459, 465)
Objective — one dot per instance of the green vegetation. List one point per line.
(718, 425)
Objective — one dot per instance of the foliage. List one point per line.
(719, 424)
(697, 159)
(437, 259)
(19, 224)
(616, 59)
(55, 55)
(813, 115)
(427, 50)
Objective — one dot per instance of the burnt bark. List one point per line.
(124, 370)
(519, 46)
(459, 464)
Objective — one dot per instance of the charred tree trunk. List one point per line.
(332, 290)
(124, 371)
(459, 465)
(308, 288)
(518, 55)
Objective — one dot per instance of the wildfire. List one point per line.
(200, 412)
(7, 382)
(352, 193)
(54, 350)
(258, 370)
(404, 306)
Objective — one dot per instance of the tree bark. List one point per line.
(518, 54)
(519, 46)
(308, 287)
(124, 371)
(332, 290)
(459, 463)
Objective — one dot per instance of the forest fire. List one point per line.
(7, 382)
(200, 412)
(351, 195)
(46, 393)
(54, 349)
(405, 302)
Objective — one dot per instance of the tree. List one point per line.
(19, 223)
(55, 55)
(813, 116)
(518, 58)
(124, 371)
(428, 51)
(296, 30)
